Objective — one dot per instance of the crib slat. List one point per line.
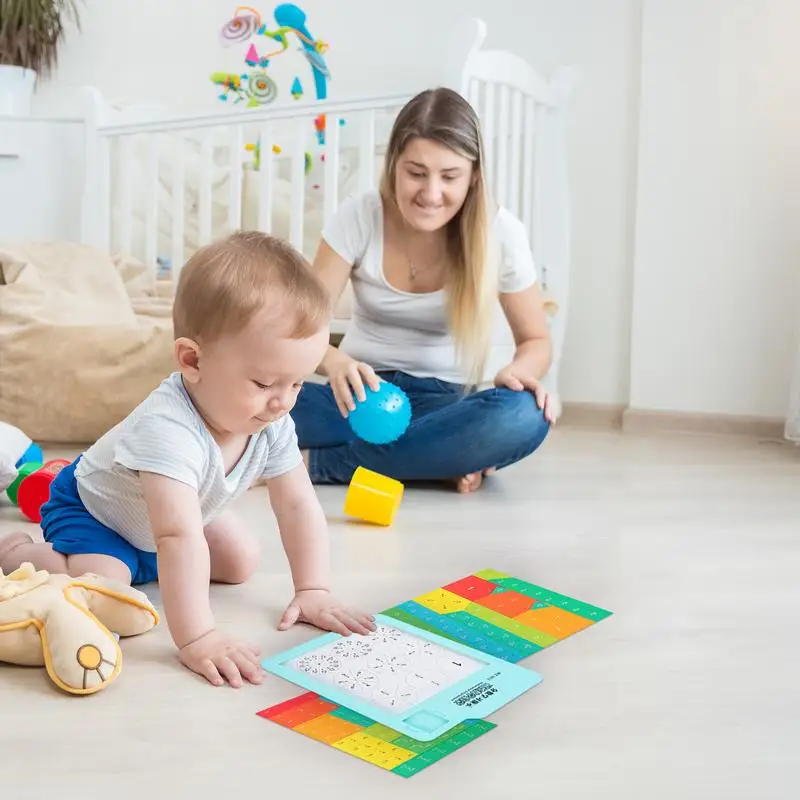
(103, 157)
(126, 193)
(235, 171)
(489, 132)
(503, 131)
(366, 152)
(266, 170)
(298, 173)
(515, 163)
(204, 187)
(331, 198)
(474, 95)
(178, 203)
(529, 143)
(151, 204)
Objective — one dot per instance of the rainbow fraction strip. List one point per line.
(490, 611)
(352, 733)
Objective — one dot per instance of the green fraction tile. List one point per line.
(512, 626)
(461, 735)
(411, 767)
(490, 575)
(416, 764)
(410, 619)
(383, 733)
(414, 745)
(523, 647)
(584, 610)
(430, 752)
(476, 728)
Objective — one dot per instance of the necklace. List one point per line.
(414, 269)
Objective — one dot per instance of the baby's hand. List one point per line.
(219, 658)
(318, 607)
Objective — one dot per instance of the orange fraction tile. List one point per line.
(327, 728)
(554, 621)
(509, 603)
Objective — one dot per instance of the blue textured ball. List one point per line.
(383, 417)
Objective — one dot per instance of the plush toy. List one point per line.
(65, 623)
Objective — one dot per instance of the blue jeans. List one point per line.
(451, 433)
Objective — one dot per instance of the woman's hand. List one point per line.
(347, 375)
(519, 378)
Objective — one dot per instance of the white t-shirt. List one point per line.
(395, 330)
(166, 435)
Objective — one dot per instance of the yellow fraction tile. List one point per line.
(376, 751)
(443, 602)
(328, 729)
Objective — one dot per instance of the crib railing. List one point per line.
(190, 171)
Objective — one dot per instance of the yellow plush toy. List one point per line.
(65, 623)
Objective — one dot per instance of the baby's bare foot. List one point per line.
(8, 544)
(12, 540)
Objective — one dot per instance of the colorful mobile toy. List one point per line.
(257, 88)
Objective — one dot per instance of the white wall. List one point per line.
(715, 303)
(684, 199)
(162, 51)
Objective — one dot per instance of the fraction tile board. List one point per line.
(362, 737)
(409, 679)
(498, 614)
(503, 615)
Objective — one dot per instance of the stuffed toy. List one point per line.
(65, 624)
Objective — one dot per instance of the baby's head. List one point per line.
(251, 323)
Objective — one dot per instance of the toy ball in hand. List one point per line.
(383, 416)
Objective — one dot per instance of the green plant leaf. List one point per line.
(31, 32)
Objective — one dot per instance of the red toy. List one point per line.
(34, 489)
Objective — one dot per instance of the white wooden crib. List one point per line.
(157, 187)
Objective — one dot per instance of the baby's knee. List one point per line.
(241, 562)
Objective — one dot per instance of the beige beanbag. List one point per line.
(67, 624)
(83, 339)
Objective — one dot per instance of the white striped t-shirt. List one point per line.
(166, 435)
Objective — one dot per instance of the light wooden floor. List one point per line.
(689, 691)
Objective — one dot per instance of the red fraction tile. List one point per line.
(471, 587)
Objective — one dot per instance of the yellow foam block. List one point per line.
(373, 497)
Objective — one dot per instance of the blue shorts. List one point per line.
(72, 530)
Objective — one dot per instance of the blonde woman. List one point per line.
(429, 258)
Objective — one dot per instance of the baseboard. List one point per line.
(635, 420)
(591, 415)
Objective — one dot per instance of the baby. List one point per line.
(149, 500)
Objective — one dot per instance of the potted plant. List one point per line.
(31, 32)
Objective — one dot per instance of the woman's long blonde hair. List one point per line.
(444, 116)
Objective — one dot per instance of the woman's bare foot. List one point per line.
(467, 484)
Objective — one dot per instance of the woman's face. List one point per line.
(431, 184)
